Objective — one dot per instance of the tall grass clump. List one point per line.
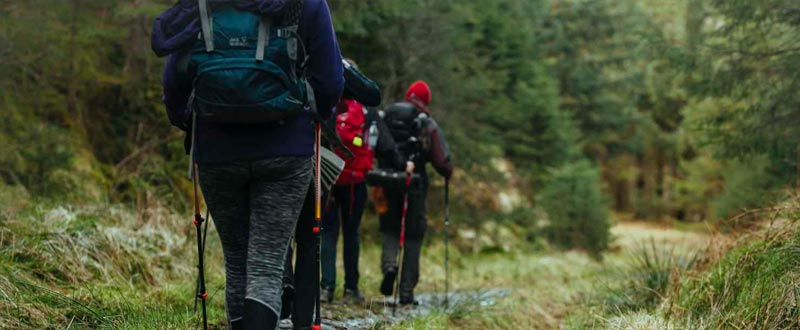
(641, 286)
(653, 272)
(103, 266)
(754, 286)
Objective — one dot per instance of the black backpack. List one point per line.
(407, 126)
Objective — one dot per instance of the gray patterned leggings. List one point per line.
(255, 206)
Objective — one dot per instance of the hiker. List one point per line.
(298, 282)
(253, 137)
(421, 140)
(365, 134)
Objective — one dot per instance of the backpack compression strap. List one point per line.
(292, 18)
(205, 24)
(264, 27)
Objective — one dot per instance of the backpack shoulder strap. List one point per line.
(205, 25)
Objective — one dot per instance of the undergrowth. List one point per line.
(754, 283)
(99, 267)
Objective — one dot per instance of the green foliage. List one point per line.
(744, 58)
(576, 208)
(647, 90)
(751, 287)
(696, 191)
(593, 50)
(81, 101)
(748, 185)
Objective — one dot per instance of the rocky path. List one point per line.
(575, 276)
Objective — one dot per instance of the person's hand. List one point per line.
(410, 167)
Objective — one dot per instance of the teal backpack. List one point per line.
(246, 66)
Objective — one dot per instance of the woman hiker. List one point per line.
(254, 175)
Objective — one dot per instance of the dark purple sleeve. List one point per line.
(440, 151)
(325, 70)
(177, 90)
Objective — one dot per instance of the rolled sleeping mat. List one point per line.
(359, 87)
(390, 179)
(332, 167)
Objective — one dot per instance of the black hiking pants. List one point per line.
(255, 206)
(344, 211)
(416, 225)
(300, 279)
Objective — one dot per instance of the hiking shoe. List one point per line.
(353, 297)
(326, 295)
(387, 286)
(285, 324)
(408, 302)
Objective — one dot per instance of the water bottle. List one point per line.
(373, 135)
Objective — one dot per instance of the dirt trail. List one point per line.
(551, 283)
(380, 311)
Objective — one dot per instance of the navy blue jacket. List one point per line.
(178, 27)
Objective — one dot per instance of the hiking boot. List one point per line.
(387, 286)
(258, 315)
(408, 302)
(326, 295)
(353, 297)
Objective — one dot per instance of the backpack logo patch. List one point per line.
(238, 42)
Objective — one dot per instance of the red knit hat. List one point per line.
(421, 90)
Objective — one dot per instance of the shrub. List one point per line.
(576, 208)
(748, 185)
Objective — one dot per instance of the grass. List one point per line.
(755, 286)
(749, 280)
(109, 267)
(552, 290)
(99, 267)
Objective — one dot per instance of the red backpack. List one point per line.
(351, 125)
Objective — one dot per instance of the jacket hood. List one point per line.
(177, 27)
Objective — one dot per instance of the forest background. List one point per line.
(660, 109)
(561, 114)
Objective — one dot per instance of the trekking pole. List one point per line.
(446, 243)
(205, 235)
(198, 223)
(318, 223)
(402, 253)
